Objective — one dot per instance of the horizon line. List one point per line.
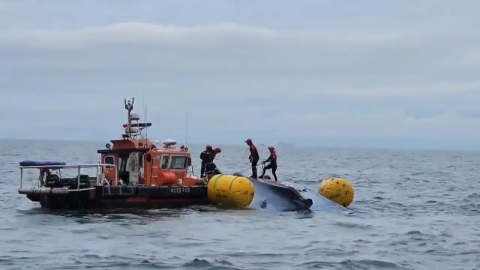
(289, 145)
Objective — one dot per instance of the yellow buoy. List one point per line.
(230, 191)
(338, 190)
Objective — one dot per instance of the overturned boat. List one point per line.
(268, 193)
(281, 197)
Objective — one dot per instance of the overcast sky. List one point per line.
(327, 73)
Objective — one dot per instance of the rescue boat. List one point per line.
(133, 172)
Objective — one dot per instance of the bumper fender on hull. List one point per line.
(118, 196)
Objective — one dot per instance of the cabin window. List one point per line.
(140, 160)
(165, 160)
(109, 160)
(123, 165)
(178, 163)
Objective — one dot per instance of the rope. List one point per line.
(249, 168)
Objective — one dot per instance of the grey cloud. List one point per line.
(278, 14)
(231, 48)
(394, 124)
(361, 62)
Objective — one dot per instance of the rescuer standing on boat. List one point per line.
(273, 163)
(206, 156)
(210, 167)
(254, 157)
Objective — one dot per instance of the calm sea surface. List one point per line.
(413, 210)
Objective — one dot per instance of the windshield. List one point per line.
(178, 163)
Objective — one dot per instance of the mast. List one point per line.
(129, 108)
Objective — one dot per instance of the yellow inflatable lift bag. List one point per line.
(230, 191)
(338, 190)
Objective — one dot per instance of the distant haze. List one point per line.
(378, 74)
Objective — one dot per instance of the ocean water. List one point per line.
(413, 210)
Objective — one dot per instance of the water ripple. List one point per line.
(413, 210)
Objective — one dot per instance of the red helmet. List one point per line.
(218, 150)
(248, 141)
(271, 148)
(208, 147)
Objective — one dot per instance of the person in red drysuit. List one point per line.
(254, 157)
(273, 163)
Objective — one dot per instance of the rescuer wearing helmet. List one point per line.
(254, 157)
(210, 167)
(206, 156)
(273, 163)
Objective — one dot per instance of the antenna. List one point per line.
(129, 108)
(145, 115)
(146, 128)
(186, 130)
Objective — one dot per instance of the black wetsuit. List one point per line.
(206, 157)
(211, 169)
(254, 158)
(272, 165)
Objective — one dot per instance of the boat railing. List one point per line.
(100, 172)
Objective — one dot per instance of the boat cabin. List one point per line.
(139, 161)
